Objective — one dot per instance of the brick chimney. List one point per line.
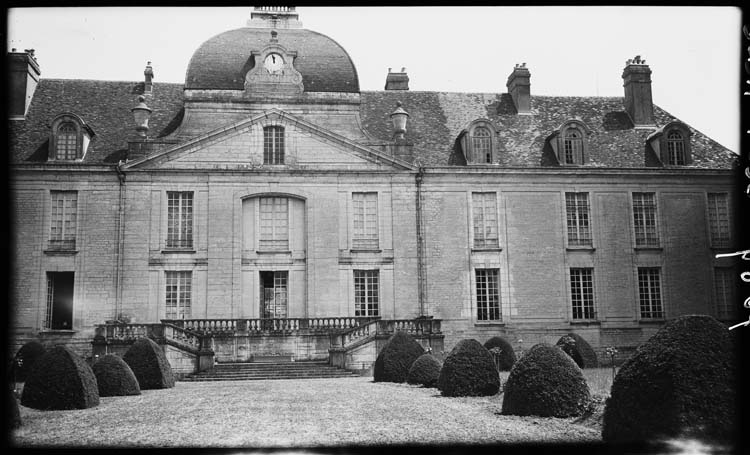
(148, 84)
(23, 78)
(397, 81)
(637, 82)
(519, 87)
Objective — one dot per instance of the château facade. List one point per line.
(269, 196)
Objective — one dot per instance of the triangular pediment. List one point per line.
(242, 145)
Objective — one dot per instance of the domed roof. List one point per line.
(222, 62)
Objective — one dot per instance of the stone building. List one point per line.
(268, 206)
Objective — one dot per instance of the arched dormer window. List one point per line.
(478, 144)
(69, 138)
(570, 144)
(676, 149)
(671, 143)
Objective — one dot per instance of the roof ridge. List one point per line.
(59, 79)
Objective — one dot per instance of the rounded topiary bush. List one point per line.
(681, 382)
(27, 355)
(425, 371)
(114, 377)
(579, 350)
(396, 357)
(149, 364)
(547, 383)
(506, 357)
(469, 370)
(60, 379)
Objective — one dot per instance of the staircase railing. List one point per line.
(354, 337)
(286, 326)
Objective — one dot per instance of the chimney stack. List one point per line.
(23, 79)
(519, 87)
(637, 82)
(397, 81)
(149, 81)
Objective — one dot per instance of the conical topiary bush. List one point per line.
(396, 357)
(114, 377)
(546, 382)
(60, 379)
(469, 370)
(679, 383)
(506, 357)
(149, 364)
(25, 359)
(425, 371)
(579, 350)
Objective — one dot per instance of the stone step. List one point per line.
(283, 370)
(262, 378)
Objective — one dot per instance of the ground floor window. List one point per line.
(59, 314)
(273, 294)
(178, 295)
(649, 292)
(582, 293)
(488, 295)
(366, 292)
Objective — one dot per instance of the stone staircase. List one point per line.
(269, 370)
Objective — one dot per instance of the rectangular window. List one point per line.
(488, 295)
(366, 292)
(644, 219)
(178, 294)
(724, 288)
(718, 219)
(62, 234)
(273, 145)
(649, 292)
(484, 207)
(274, 296)
(578, 216)
(274, 224)
(582, 293)
(59, 301)
(179, 219)
(365, 206)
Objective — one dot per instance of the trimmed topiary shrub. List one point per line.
(149, 364)
(681, 382)
(396, 357)
(547, 383)
(114, 377)
(28, 355)
(506, 357)
(579, 350)
(425, 371)
(469, 370)
(12, 413)
(60, 379)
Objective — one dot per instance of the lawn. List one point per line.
(295, 413)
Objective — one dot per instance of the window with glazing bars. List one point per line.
(578, 216)
(649, 292)
(582, 293)
(274, 223)
(644, 219)
(484, 208)
(676, 149)
(724, 296)
(366, 292)
(66, 143)
(62, 235)
(179, 219)
(273, 145)
(573, 147)
(488, 294)
(365, 207)
(481, 144)
(718, 219)
(178, 294)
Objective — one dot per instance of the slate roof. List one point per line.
(222, 61)
(435, 122)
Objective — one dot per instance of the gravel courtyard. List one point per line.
(292, 413)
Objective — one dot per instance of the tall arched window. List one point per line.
(481, 143)
(676, 148)
(273, 145)
(573, 146)
(67, 142)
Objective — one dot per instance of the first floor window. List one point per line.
(488, 295)
(485, 220)
(366, 292)
(178, 294)
(724, 296)
(718, 219)
(649, 292)
(365, 222)
(59, 315)
(644, 219)
(179, 219)
(62, 234)
(578, 216)
(582, 293)
(274, 223)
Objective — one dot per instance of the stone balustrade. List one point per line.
(231, 327)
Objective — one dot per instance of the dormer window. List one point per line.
(671, 144)
(573, 145)
(477, 143)
(69, 138)
(569, 143)
(273, 145)
(676, 148)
